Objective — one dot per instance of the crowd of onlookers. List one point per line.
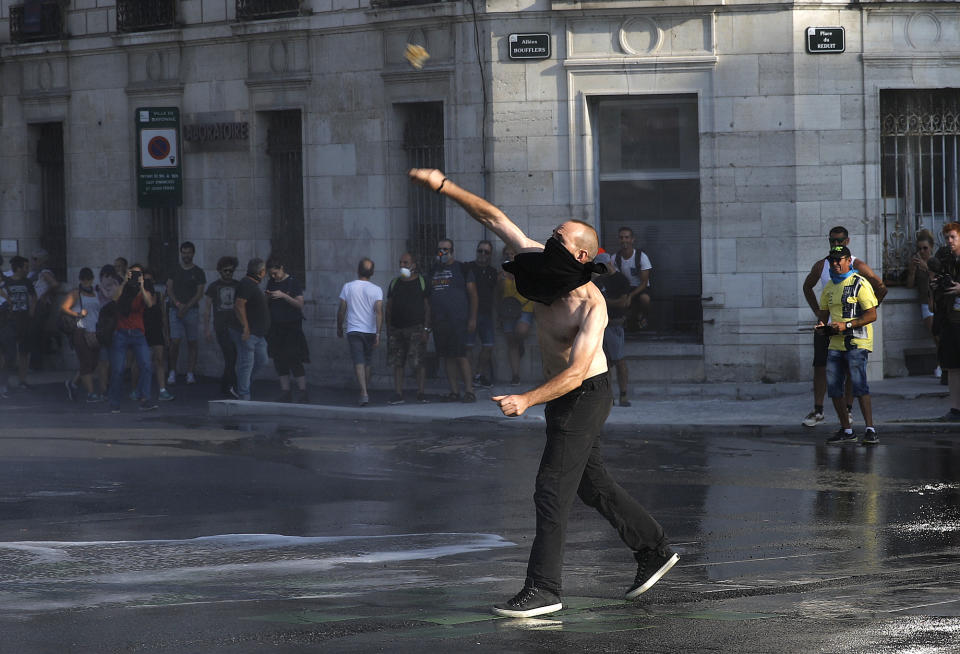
(127, 328)
(460, 306)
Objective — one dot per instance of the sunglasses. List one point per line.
(838, 240)
(482, 251)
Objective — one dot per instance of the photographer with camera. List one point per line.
(130, 333)
(944, 270)
(820, 275)
(847, 307)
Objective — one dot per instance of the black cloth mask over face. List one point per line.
(545, 276)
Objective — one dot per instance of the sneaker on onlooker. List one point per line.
(528, 603)
(286, 396)
(191, 379)
(92, 398)
(842, 437)
(364, 400)
(71, 389)
(515, 381)
(481, 382)
(23, 386)
(870, 437)
(624, 401)
(422, 398)
(114, 409)
(651, 566)
(302, 397)
(134, 396)
(172, 378)
(396, 398)
(147, 405)
(938, 372)
(164, 395)
(233, 392)
(812, 419)
(953, 415)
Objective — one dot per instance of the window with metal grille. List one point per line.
(918, 169)
(285, 148)
(53, 237)
(144, 15)
(648, 153)
(262, 9)
(37, 20)
(423, 145)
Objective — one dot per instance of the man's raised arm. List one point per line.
(481, 210)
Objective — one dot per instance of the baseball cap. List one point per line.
(839, 252)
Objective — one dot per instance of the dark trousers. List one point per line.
(229, 350)
(572, 465)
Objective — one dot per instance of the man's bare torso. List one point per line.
(558, 325)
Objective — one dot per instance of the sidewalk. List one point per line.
(903, 405)
(900, 405)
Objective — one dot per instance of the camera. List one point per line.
(940, 281)
(135, 274)
(825, 330)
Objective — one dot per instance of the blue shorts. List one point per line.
(613, 342)
(484, 329)
(361, 347)
(509, 326)
(188, 326)
(838, 362)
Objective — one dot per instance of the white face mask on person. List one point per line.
(405, 272)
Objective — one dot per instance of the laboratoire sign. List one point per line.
(159, 168)
(825, 40)
(529, 46)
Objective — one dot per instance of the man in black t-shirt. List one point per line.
(221, 297)
(23, 304)
(253, 317)
(185, 290)
(485, 276)
(615, 287)
(408, 326)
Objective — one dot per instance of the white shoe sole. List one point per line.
(510, 613)
(664, 569)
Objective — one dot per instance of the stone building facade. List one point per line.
(708, 127)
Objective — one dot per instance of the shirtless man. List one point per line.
(571, 316)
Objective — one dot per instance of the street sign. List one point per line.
(823, 40)
(529, 46)
(159, 168)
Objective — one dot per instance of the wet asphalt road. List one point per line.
(175, 532)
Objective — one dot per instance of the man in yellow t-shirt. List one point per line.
(847, 307)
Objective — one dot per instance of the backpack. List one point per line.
(393, 282)
(636, 257)
(107, 323)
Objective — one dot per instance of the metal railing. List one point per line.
(920, 162)
(37, 20)
(261, 9)
(145, 15)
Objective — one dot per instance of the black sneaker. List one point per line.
(481, 382)
(286, 397)
(951, 416)
(842, 437)
(147, 405)
(529, 602)
(870, 437)
(396, 398)
(651, 565)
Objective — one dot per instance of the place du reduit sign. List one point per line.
(529, 46)
(825, 40)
